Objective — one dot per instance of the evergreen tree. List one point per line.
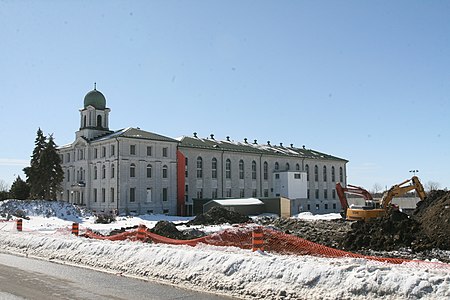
(19, 189)
(50, 167)
(34, 175)
(44, 175)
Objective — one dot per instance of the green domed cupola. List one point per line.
(96, 99)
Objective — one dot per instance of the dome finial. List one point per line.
(95, 85)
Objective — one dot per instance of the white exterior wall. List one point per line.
(290, 185)
(326, 202)
(81, 190)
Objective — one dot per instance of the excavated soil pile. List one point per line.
(168, 229)
(434, 214)
(219, 215)
(428, 228)
(394, 231)
(326, 232)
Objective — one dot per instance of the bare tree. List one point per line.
(3, 186)
(376, 188)
(432, 186)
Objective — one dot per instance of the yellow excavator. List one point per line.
(376, 209)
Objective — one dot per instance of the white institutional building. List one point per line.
(132, 171)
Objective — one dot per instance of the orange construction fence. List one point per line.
(244, 237)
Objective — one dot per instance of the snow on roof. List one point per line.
(245, 201)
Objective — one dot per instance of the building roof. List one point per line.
(135, 133)
(255, 148)
(96, 99)
(235, 202)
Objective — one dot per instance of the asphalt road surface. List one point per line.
(26, 278)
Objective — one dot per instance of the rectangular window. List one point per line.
(112, 150)
(326, 205)
(164, 172)
(149, 195)
(95, 195)
(277, 176)
(95, 153)
(334, 205)
(307, 196)
(228, 193)
(266, 193)
(309, 206)
(317, 206)
(103, 151)
(132, 194)
(325, 194)
(132, 149)
(165, 152)
(164, 194)
(132, 171)
(254, 193)
(165, 211)
(68, 157)
(317, 193)
(113, 171)
(112, 195)
(297, 176)
(214, 194)
(199, 193)
(149, 150)
(103, 195)
(333, 194)
(242, 193)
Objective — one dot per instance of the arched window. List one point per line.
(103, 171)
(316, 173)
(241, 169)
(214, 168)
(199, 167)
(277, 166)
(324, 173)
(99, 121)
(164, 171)
(112, 171)
(297, 167)
(228, 169)
(95, 172)
(341, 175)
(287, 166)
(132, 170)
(68, 175)
(149, 171)
(333, 174)
(253, 169)
(266, 170)
(307, 172)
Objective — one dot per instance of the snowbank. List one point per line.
(310, 216)
(240, 273)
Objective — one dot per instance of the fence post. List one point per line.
(257, 239)
(140, 235)
(75, 229)
(19, 224)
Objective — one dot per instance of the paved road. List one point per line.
(25, 278)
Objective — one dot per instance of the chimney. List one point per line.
(228, 138)
(281, 144)
(245, 140)
(212, 136)
(304, 147)
(268, 143)
(292, 145)
(255, 142)
(195, 134)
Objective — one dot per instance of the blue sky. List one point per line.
(367, 81)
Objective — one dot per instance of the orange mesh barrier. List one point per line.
(273, 241)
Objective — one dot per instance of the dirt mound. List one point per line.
(168, 229)
(219, 215)
(394, 231)
(434, 215)
(326, 232)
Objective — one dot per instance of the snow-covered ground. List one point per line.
(226, 270)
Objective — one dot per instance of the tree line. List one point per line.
(43, 176)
